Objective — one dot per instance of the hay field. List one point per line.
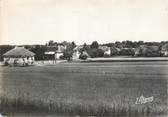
(97, 89)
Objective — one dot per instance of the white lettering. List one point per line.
(143, 100)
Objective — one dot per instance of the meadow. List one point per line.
(85, 89)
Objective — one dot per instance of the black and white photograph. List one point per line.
(83, 58)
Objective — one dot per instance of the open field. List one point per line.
(128, 59)
(99, 89)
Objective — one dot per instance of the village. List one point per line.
(53, 52)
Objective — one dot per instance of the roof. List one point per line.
(51, 48)
(77, 48)
(50, 53)
(18, 52)
(115, 48)
(61, 48)
(152, 48)
(55, 49)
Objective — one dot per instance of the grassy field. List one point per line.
(97, 89)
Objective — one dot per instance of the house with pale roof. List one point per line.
(19, 56)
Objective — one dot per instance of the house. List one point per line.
(77, 51)
(106, 49)
(19, 56)
(50, 52)
(60, 51)
(164, 50)
(148, 51)
(115, 51)
(54, 52)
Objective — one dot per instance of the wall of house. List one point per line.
(19, 61)
(76, 55)
(166, 53)
(108, 52)
(57, 55)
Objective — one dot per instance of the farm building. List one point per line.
(54, 52)
(19, 56)
(164, 50)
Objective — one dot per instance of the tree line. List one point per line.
(93, 49)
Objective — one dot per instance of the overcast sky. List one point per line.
(38, 21)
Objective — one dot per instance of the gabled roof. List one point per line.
(77, 48)
(55, 49)
(18, 52)
(61, 49)
(115, 48)
(152, 48)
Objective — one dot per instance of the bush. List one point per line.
(62, 57)
(83, 56)
(106, 55)
(67, 55)
(127, 52)
(100, 53)
(6, 63)
(96, 53)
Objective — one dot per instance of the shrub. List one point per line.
(83, 56)
(67, 55)
(62, 57)
(96, 53)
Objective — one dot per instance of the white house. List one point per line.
(60, 51)
(76, 52)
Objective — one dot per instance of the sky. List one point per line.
(38, 21)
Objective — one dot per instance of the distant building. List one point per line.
(19, 56)
(115, 51)
(54, 52)
(50, 52)
(60, 51)
(164, 50)
(106, 49)
(77, 51)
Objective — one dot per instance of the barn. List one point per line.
(19, 56)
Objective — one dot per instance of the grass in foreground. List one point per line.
(85, 89)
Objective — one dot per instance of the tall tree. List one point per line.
(94, 45)
(51, 43)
